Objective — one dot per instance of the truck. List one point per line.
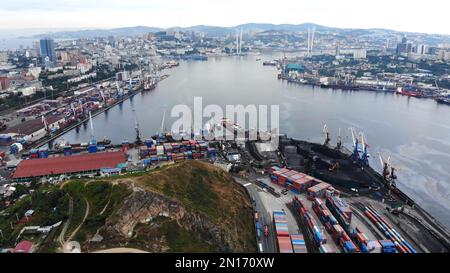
(256, 216)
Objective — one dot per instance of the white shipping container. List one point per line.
(159, 150)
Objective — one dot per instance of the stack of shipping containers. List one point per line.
(177, 151)
(298, 243)
(282, 232)
(295, 181)
(313, 231)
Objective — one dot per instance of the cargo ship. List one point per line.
(341, 86)
(443, 100)
(410, 91)
(150, 84)
(270, 63)
(195, 57)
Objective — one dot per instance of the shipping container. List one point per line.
(284, 245)
(298, 244)
(159, 150)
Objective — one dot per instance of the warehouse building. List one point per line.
(68, 165)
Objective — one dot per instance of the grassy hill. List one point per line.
(207, 190)
(186, 207)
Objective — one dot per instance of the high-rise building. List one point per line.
(47, 47)
(404, 47)
(4, 83)
(359, 53)
(3, 56)
(111, 41)
(422, 49)
(37, 49)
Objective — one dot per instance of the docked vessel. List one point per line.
(150, 84)
(195, 57)
(270, 63)
(410, 91)
(443, 100)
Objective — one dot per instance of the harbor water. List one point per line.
(414, 132)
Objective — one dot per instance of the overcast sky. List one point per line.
(430, 16)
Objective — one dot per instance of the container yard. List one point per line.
(338, 208)
(46, 121)
(296, 209)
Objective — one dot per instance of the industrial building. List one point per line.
(35, 129)
(67, 165)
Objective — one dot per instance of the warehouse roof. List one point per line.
(31, 126)
(68, 164)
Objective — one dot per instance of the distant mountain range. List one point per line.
(214, 31)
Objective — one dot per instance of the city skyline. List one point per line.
(81, 14)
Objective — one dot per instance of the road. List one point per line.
(67, 223)
(86, 214)
(268, 243)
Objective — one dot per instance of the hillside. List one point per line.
(217, 31)
(188, 207)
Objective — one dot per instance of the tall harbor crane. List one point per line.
(81, 106)
(360, 153)
(103, 95)
(355, 141)
(92, 126)
(339, 140)
(365, 152)
(388, 169)
(45, 125)
(326, 133)
(388, 173)
(73, 110)
(136, 128)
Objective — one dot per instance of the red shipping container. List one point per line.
(360, 238)
(284, 244)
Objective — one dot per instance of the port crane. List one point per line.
(136, 128)
(360, 151)
(81, 106)
(103, 95)
(437, 86)
(355, 141)
(73, 110)
(388, 170)
(388, 174)
(118, 89)
(339, 140)
(365, 151)
(45, 125)
(92, 127)
(327, 135)
(386, 85)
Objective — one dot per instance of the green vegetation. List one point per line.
(205, 189)
(50, 206)
(209, 195)
(182, 240)
(104, 198)
(196, 185)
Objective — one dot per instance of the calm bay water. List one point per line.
(415, 133)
